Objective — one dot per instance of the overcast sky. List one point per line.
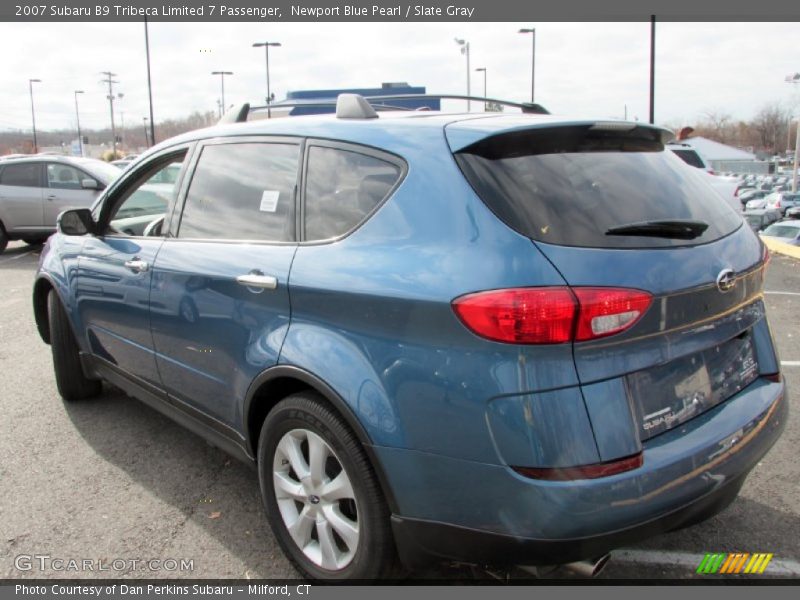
(593, 69)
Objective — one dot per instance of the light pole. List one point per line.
(222, 81)
(33, 114)
(465, 51)
(483, 69)
(78, 119)
(532, 31)
(266, 46)
(795, 78)
(146, 139)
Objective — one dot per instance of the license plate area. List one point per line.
(665, 396)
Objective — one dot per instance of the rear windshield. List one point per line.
(571, 185)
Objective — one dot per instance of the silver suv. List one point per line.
(35, 189)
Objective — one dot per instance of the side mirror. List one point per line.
(76, 221)
(89, 184)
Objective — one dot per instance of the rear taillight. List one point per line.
(520, 315)
(606, 311)
(605, 469)
(550, 315)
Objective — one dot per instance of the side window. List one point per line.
(64, 177)
(342, 187)
(147, 200)
(242, 191)
(21, 175)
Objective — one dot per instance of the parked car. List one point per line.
(748, 195)
(35, 189)
(785, 231)
(488, 338)
(761, 218)
(792, 213)
(781, 201)
(758, 204)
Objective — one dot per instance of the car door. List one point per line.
(65, 190)
(115, 270)
(220, 299)
(21, 197)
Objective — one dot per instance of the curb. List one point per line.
(782, 248)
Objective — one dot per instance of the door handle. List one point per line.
(258, 280)
(52, 197)
(137, 265)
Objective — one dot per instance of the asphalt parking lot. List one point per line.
(112, 479)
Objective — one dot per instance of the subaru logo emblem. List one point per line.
(726, 280)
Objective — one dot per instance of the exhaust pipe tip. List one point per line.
(587, 568)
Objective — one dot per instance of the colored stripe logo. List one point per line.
(734, 563)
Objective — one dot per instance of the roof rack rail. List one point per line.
(355, 106)
(526, 107)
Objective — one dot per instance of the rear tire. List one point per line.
(72, 384)
(334, 505)
(3, 238)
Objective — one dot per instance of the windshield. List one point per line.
(753, 219)
(576, 186)
(782, 231)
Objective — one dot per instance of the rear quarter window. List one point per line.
(342, 188)
(572, 185)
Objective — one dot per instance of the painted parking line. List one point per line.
(790, 363)
(777, 566)
(17, 257)
(780, 293)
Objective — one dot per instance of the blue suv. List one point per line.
(505, 339)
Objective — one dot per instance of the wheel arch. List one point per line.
(41, 289)
(281, 381)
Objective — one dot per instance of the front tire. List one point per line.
(72, 384)
(3, 239)
(322, 499)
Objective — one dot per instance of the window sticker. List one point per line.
(269, 201)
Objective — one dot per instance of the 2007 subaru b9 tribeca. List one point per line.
(491, 338)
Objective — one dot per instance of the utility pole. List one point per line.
(110, 81)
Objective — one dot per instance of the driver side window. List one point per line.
(147, 200)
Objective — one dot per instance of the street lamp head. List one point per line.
(531, 30)
(78, 91)
(481, 69)
(222, 72)
(35, 80)
(460, 42)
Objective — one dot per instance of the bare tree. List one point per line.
(717, 125)
(770, 122)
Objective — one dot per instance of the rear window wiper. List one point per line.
(676, 229)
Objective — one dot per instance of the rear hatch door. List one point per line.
(611, 208)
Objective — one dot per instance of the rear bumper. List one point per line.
(475, 512)
(424, 542)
